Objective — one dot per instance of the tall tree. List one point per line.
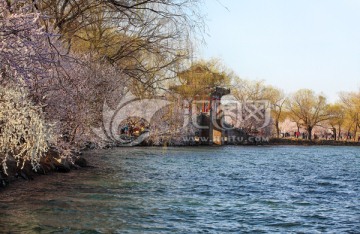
(337, 114)
(351, 101)
(277, 99)
(256, 97)
(309, 108)
(146, 39)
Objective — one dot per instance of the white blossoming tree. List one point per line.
(25, 54)
(24, 65)
(24, 134)
(76, 100)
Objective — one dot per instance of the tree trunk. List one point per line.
(277, 129)
(309, 130)
(355, 131)
(334, 132)
(339, 135)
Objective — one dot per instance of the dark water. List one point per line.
(194, 190)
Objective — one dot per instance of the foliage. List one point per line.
(308, 109)
(351, 103)
(277, 100)
(147, 40)
(103, 47)
(337, 114)
(200, 79)
(69, 57)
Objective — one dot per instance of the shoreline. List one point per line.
(17, 178)
(49, 165)
(282, 141)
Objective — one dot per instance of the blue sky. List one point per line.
(290, 44)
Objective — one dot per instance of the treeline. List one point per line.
(302, 111)
(308, 112)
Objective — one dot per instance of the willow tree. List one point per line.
(337, 116)
(308, 108)
(146, 39)
(277, 100)
(351, 102)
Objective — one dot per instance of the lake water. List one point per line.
(264, 189)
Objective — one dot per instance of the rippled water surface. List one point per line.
(194, 190)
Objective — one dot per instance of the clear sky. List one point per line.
(290, 44)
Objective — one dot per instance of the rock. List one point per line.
(11, 167)
(53, 153)
(27, 171)
(41, 170)
(74, 166)
(23, 175)
(62, 166)
(53, 162)
(3, 181)
(80, 161)
(47, 163)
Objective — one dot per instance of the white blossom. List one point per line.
(24, 135)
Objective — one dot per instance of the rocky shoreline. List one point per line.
(51, 163)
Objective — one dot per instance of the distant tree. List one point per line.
(201, 78)
(277, 99)
(308, 109)
(351, 102)
(249, 90)
(337, 116)
(256, 92)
